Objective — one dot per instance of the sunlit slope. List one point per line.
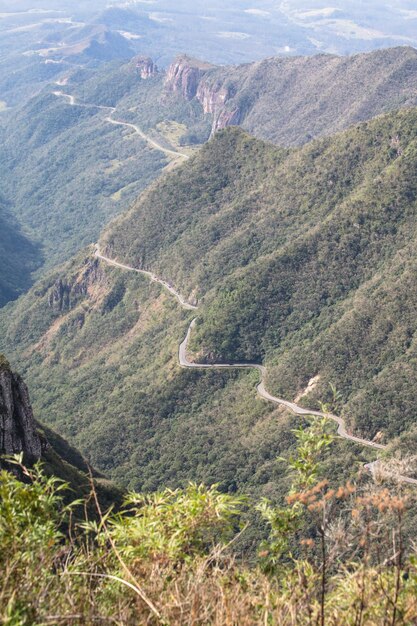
(302, 259)
(285, 249)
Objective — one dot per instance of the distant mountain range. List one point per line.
(236, 32)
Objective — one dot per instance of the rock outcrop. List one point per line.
(292, 100)
(213, 96)
(146, 68)
(194, 79)
(184, 76)
(17, 425)
(65, 293)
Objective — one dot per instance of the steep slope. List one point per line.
(286, 250)
(299, 258)
(292, 100)
(288, 101)
(21, 434)
(70, 164)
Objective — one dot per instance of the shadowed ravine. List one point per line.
(298, 410)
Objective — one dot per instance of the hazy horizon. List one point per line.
(242, 31)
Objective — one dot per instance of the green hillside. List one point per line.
(301, 259)
(291, 101)
(63, 461)
(99, 347)
(69, 172)
(298, 258)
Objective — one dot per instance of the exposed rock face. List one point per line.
(225, 118)
(59, 296)
(289, 101)
(213, 97)
(146, 68)
(17, 425)
(193, 79)
(184, 76)
(63, 294)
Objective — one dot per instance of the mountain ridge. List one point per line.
(290, 101)
(226, 318)
(95, 170)
(279, 247)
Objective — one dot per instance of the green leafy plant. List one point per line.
(175, 524)
(286, 521)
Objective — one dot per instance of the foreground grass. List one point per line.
(333, 556)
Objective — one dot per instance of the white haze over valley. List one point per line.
(221, 32)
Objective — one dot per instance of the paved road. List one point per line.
(295, 408)
(155, 279)
(184, 362)
(298, 410)
(151, 142)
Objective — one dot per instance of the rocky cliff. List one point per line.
(290, 101)
(213, 95)
(64, 293)
(195, 79)
(145, 67)
(17, 425)
(184, 76)
(19, 432)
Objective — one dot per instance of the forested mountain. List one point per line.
(299, 258)
(69, 170)
(291, 101)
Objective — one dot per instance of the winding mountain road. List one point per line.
(298, 410)
(292, 406)
(151, 142)
(183, 302)
(184, 362)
